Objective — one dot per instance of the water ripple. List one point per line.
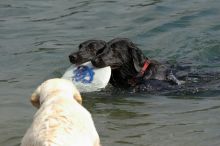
(58, 17)
(38, 50)
(146, 4)
(11, 80)
(201, 110)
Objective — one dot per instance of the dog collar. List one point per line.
(134, 81)
(144, 68)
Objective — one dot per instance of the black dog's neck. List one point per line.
(121, 76)
(126, 75)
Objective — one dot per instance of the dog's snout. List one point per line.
(73, 58)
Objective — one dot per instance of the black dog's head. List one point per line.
(87, 51)
(120, 52)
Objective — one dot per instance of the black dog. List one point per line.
(131, 68)
(87, 51)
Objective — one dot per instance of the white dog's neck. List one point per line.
(59, 95)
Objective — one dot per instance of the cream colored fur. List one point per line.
(61, 120)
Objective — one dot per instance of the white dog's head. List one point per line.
(53, 86)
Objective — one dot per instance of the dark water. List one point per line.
(37, 36)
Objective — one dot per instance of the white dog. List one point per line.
(60, 120)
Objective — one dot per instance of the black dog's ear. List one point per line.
(102, 48)
(138, 56)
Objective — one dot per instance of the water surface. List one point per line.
(37, 36)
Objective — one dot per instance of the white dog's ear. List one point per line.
(77, 96)
(35, 98)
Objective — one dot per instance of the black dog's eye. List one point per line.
(91, 46)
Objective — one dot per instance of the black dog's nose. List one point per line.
(73, 58)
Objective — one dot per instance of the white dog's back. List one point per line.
(61, 121)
